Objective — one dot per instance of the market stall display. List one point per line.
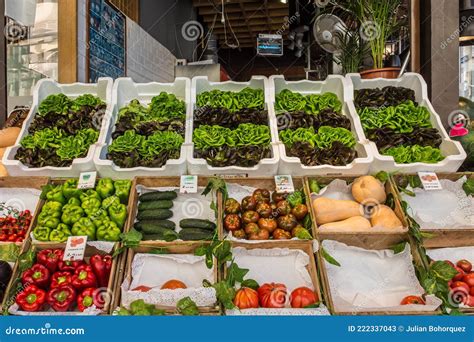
(316, 131)
(48, 285)
(146, 131)
(406, 133)
(99, 213)
(162, 214)
(232, 129)
(62, 129)
(253, 211)
(375, 280)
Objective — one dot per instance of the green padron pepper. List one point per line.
(122, 190)
(91, 205)
(52, 208)
(105, 188)
(61, 233)
(74, 201)
(109, 201)
(71, 214)
(49, 221)
(84, 227)
(42, 233)
(118, 214)
(89, 193)
(56, 194)
(108, 231)
(70, 189)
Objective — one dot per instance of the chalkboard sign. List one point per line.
(107, 39)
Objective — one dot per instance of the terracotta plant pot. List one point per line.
(380, 73)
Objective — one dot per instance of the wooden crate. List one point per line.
(59, 181)
(269, 184)
(305, 246)
(157, 182)
(27, 183)
(185, 247)
(444, 237)
(381, 237)
(370, 243)
(90, 250)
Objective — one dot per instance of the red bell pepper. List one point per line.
(31, 298)
(37, 275)
(84, 277)
(61, 298)
(50, 258)
(89, 297)
(101, 265)
(69, 266)
(60, 279)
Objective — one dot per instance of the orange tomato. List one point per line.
(302, 297)
(246, 298)
(272, 295)
(173, 284)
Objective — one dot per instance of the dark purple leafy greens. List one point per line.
(337, 155)
(385, 97)
(327, 117)
(386, 138)
(225, 118)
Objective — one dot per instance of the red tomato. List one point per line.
(412, 300)
(471, 291)
(460, 286)
(469, 301)
(246, 298)
(449, 262)
(272, 295)
(465, 265)
(302, 297)
(460, 274)
(469, 279)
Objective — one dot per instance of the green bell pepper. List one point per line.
(99, 218)
(61, 233)
(89, 193)
(90, 205)
(95, 214)
(42, 233)
(49, 221)
(105, 187)
(71, 214)
(84, 227)
(108, 231)
(118, 214)
(122, 190)
(70, 189)
(56, 194)
(109, 201)
(52, 208)
(74, 201)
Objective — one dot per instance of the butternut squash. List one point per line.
(385, 217)
(368, 189)
(2, 152)
(3, 171)
(330, 210)
(352, 224)
(8, 136)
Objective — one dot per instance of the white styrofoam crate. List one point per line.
(267, 166)
(452, 150)
(124, 91)
(335, 84)
(44, 88)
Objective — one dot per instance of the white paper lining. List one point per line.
(371, 280)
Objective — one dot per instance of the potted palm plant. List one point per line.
(352, 50)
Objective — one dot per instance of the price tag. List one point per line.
(87, 180)
(75, 248)
(233, 176)
(284, 183)
(430, 181)
(189, 185)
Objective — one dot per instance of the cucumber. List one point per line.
(155, 214)
(165, 235)
(162, 204)
(158, 196)
(152, 229)
(160, 223)
(197, 223)
(195, 234)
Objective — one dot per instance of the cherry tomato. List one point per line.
(459, 275)
(412, 300)
(465, 265)
(469, 279)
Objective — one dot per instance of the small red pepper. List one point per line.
(50, 258)
(101, 265)
(61, 298)
(37, 275)
(89, 297)
(84, 277)
(31, 298)
(60, 279)
(69, 266)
